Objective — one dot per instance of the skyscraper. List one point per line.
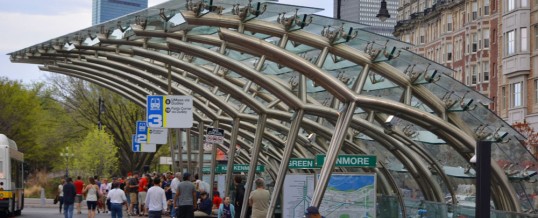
(104, 10)
(365, 11)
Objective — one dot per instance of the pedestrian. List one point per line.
(259, 200)
(156, 200)
(61, 194)
(104, 191)
(217, 201)
(92, 195)
(239, 195)
(69, 197)
(205, 206)
(226, 209)
(142, 191)
(133, 194)
(185, 198)
(312, 212)
(117, 199)
(173, 187)
(79, 185)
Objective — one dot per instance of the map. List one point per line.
(297, 194)
(349, 195)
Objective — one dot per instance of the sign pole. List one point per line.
(483, 178)
(200, 147)
(170, 137)
(213, 163)
(180, 150)
(189, 150)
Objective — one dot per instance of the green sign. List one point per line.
(350, 160)
(301, 163)
(238, 168)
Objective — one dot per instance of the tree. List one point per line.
(81, 100)
(531, 143)
(96, 154)
(35, 121)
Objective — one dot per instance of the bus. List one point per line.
(11, 175)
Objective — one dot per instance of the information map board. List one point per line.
(347, 195)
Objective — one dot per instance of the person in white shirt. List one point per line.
(117, 199)
(173, 186)
(156, 200)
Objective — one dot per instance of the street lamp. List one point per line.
(101, 110)
(66, 155)
(383, 12)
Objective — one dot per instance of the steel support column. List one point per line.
(231, 154)
(281, 174)
(340, 129)
(254, 161)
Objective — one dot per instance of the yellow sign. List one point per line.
(6, 194)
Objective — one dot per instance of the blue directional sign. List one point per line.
(149, 135)
(169, 111)
(138, 147)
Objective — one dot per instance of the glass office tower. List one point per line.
(103, 10)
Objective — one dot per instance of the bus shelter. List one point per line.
(287, 84)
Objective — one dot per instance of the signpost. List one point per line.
(148, 135)
(139, 147)
(215, 135)
(350, 160)
(169, 111)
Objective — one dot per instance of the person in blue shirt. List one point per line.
(205, 205)
(226, 210)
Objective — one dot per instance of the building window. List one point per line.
(511, 5)
(503, 98)
(535, 37)
(485, 70)
(467, 44)
(474, 74)
(475, 10)
(448, 52)
(524, 3)
(516, 94)
(536, 91)
(422, 35)
(524, 40)
(485, 35)
(510, 42)
(486, 7)
(475, 42)
(449, 23)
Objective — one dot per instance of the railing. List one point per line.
(388, 207)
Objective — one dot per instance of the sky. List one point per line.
(25, 23)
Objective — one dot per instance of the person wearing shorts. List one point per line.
(92, 195)
(133, 193)
(142, 191)
(79, 185)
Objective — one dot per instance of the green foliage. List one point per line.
(35, 121)
(95, 155)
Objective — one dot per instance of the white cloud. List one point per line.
(24, 30)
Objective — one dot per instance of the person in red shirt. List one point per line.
(142, 191)
(216, 200)
(79, 185)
